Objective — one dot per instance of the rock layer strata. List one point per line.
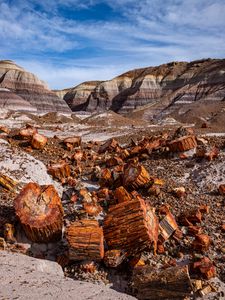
(160, 89)
(22, 90)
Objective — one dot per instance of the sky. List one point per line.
(70, 41)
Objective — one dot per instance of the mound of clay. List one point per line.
(111, 119)
(21, 90)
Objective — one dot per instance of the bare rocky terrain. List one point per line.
(179, 183)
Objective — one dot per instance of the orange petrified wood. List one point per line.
(85, 239)
(40, 212)
(135, 176)
(183, 143)
(38, 141)
(131, 226)
(59, 170)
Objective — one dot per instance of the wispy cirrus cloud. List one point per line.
(66, 42)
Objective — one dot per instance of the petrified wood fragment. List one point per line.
(109, 145)
(28, 132)
(135, 176)
(85, 239)
(9, 233)
(40, 212)
(59, 170)
(113, 258)
(171, 283)
(72, 142)
(201, 242)
(131, 226)
(7, 182)
(205, 267)
(183, 144)
(38, 141)
(167, 226)
(122, 195)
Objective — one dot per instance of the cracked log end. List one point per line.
(40, 212)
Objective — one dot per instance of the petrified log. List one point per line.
(131, 226)
(85, 239)
(122, 195)
(38, 141)
(59, 170)
(183, 144)
(135, 176)
(72, 142)
(40, 212)
(171, 283)
(109, 145)
(7, 182)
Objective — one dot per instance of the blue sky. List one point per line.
(68, 42)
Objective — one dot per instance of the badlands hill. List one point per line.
(170, 89)
(23, 91)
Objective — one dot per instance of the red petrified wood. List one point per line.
(59, 170)
(183, 144)
(135, 176)
(85, 239)
(131, 226)
(40, 212)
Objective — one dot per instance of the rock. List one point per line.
(201, 242)
(24, 277)
(23, 91)
(40, 213)
(72, 142)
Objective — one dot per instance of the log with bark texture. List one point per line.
(183, 144)
(7, 182)
(135, 176)
(40, 212)
(85, 240)
(38, 141)
(171, 283)
(59, 170)
(131, 226)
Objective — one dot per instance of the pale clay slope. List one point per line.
(24, 278)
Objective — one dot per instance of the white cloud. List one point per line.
(149, 32)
